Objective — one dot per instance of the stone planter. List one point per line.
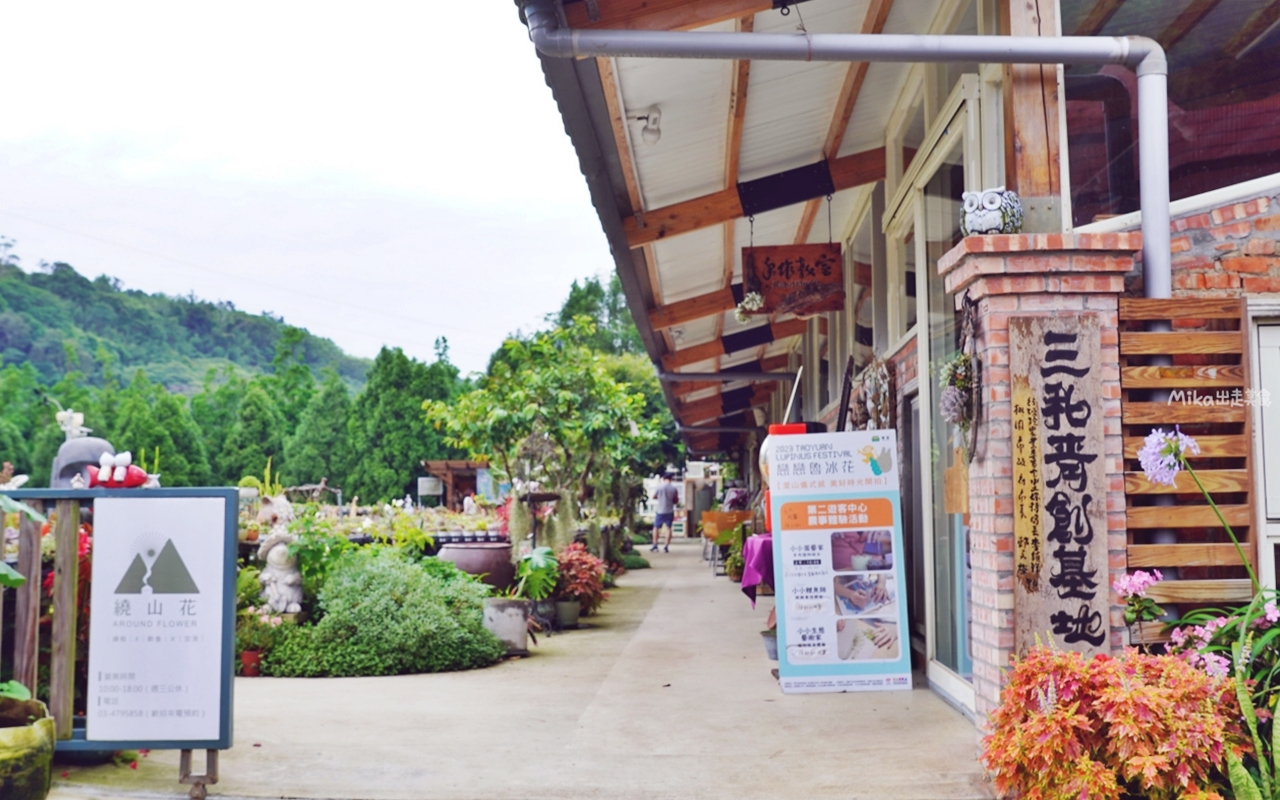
(26, 756)
(492, 560)
(567, 612)
(507, 618)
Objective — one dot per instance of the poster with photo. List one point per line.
(159, 629)
(837, 534)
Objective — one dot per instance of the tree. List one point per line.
(550, 411)
(614, 330)
(187, 462)
(388, 437)
(215, 409)
(292, 385)
(255, 437)
(13, 447)
(318, 449)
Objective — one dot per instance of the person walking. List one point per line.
(668, 498)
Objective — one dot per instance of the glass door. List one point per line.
(939, 230)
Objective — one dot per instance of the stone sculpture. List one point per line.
(992, 211)
(280, 578)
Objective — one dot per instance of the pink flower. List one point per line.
(265, 619)
(1272, 613)
(252, 610)
(1216, 665)
(1162, 455)
(1136, 585)
(275, 622)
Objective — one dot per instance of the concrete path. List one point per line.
(667, 695)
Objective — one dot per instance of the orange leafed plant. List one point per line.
(1137, 725)
(581, 578)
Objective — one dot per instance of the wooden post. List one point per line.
(26, 626)
(66, 579)
(1033, 166)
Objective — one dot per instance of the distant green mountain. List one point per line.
(59, 320)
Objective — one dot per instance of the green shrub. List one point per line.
(634, 561)
(386, 615)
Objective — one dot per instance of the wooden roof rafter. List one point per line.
(855, 75)
(743, 340)
(1258, 26)
(725, 205)
(733, 151)
(1098, 17)
(1186, 21)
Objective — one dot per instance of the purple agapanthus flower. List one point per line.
(1162, 454)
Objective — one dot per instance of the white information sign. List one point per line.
(156, 631)
(837, 554)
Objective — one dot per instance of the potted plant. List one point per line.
(256, 632)
(579, 584)
(26, 744)
(507, 617)
(734, 564)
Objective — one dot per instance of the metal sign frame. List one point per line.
(77, 742)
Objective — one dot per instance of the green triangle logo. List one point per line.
(169, 574)
(134, 578)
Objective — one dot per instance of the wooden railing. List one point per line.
(1205, 392)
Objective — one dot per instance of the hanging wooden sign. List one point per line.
(795, 279)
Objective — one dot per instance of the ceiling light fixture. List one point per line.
(652, 119)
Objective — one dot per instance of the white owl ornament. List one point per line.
(991, 211)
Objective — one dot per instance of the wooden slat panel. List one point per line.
(1215, 480)
(1228, 590)
(1141, 308)
(1212, 377)
(1194, 554)
(1237, 516)
(26, 646)
(1180, 413)
(1198, 342)
(62, 661)
(1210, 446)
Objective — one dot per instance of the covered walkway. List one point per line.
(667, 695)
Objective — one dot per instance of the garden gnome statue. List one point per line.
(280, 578)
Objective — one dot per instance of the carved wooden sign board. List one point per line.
(795, 279)
(1061, 583)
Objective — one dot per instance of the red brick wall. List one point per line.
(1227, 251)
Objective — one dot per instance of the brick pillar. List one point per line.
(1023, 275)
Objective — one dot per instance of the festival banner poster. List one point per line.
(837, 552)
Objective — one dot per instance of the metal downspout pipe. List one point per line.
(1142, 53)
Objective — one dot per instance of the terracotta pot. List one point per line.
(493, 561)
(251, 663)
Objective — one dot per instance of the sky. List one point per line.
(377, 173)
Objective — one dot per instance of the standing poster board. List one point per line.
(837, 550)
(162, 609)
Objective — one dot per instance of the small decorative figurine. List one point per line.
(991, 211)
(281, 580)
(117, 472)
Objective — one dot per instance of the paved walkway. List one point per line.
(668, 695)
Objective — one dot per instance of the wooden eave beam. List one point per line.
(713, 407)
(1186, 21)
(684, 388)
(852, 170)
(715, 348)
(855, 75)
(660, 15)
(1098, 17)
(680, 312)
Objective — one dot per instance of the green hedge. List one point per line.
(384, 614)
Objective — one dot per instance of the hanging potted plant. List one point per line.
(580, 585)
